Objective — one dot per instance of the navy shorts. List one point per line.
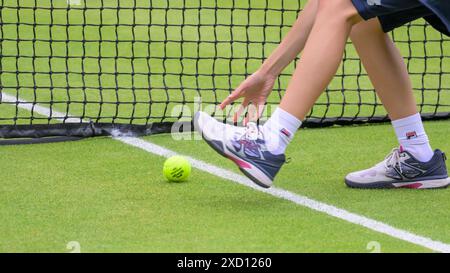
(395, 13)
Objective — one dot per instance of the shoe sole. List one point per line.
(251, 171)
(420, 184)
(247, 168)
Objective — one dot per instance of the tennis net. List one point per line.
(94, 67)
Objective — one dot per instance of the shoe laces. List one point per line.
(249, 137)
(251, 133)
(393, 159)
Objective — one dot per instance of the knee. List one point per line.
(338, 10)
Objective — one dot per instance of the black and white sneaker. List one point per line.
(402, 170)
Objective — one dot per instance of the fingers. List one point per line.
(254, 112)
(240, 110)
(261, 108)
(227, 101)
(236, 94)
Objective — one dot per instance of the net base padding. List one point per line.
(48, 133)
(45, 133)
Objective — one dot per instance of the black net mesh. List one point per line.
(143, 62)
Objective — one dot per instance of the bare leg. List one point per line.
(389, 75)
(321, 56)
(386, 68)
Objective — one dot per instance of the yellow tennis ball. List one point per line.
(176, 169)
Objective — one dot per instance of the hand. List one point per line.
(255, 90)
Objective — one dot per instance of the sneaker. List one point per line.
(402, 170)
(245, 146)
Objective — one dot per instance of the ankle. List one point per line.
(421, 152)
(412, 137)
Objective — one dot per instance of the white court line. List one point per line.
(277, 192)
(35, 108)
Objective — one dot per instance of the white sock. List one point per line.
(412, 137)
(279, 130)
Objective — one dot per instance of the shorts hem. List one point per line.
(361, 7)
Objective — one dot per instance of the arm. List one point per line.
(257, 87)
(293, 43)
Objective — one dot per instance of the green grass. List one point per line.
(320, 159)
(112, 198)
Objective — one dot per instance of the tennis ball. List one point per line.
(176, 169)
